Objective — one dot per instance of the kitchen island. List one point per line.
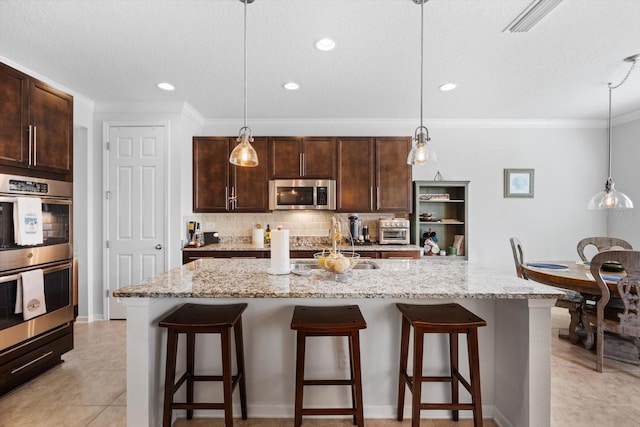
(514, 347)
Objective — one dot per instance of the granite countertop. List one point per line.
(248, 278)
(303, 247)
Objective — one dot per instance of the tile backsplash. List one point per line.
(302, 225)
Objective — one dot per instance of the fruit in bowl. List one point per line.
(337, 262)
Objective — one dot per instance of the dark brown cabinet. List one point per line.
(373, 175)
(302, 157)
(36, 126)
(192, 255)
(219, 186)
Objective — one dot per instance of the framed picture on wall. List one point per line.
(518, 183)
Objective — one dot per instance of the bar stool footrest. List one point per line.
(328, 411)
(191, 406)
(449, 406)
(328, 382)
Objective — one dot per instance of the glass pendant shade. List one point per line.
(610, 199)
(244, 154)
(421, 152)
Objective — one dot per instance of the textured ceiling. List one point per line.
(117, 50)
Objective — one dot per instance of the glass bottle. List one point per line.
(267, 235)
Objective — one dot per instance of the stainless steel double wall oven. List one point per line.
(28, 347)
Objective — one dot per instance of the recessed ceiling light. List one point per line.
(325, 44)
(166, 86)
(291, 86)
(447, 87)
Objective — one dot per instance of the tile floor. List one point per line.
(89, 389)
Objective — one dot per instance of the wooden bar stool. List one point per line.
(191, 319)
(452, 319)
(329, 322)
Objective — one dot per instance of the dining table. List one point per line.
(571, 275)
(575, 276)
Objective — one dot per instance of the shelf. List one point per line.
(442, 222)
(455, 208)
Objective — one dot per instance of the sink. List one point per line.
(312, 265)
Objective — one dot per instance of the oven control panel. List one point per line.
(28, 186)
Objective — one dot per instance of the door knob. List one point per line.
(158, 246)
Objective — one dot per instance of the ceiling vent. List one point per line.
(537, 10)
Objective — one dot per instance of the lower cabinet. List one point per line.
(29, 359)
(192, 255)
(400, 255)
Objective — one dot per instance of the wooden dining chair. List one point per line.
(624, 321)
(601, 244)
(572, 300)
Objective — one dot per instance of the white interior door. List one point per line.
(136, 207)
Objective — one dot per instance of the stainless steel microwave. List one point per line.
(311, 194)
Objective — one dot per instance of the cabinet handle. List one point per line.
(226, 198)
(301, 164)
(378, 197)
(234, 198)
(30, 140)
(35, 146)
(47, 354)
(371, 198)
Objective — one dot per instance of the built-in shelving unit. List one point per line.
(447, 202)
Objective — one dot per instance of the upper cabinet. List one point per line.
(302, 157)
(219, 186)
(373, 175)
(36, 126)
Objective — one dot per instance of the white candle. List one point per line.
(280, 252)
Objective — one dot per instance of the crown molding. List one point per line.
(384, 127)
(630, 117)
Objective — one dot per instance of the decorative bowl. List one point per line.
(339, 262)
(612, 266)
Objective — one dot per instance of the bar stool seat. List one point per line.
(326, 322)
(191, 319)
(452, 319)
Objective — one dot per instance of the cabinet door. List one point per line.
(251, 185)
(51, 115)
(355, 175)
(285, 157)
(393, 175)
(319, 158)
(210, 174)
(13, 118)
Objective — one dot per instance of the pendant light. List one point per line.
(610, 198)
(244, 154)
(421, 152)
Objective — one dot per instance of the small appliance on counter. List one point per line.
(354, 229)
(394, 231)
(211, 237)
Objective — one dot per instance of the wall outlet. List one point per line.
(342, 359)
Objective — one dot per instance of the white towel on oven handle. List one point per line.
(27, 220)
(30, 299)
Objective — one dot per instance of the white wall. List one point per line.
(625, 171)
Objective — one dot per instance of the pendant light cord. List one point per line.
(245, 63)
(421, 56)
(611, 87)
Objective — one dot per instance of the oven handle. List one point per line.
(47, 354)
(47, 200)
(48, 270)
